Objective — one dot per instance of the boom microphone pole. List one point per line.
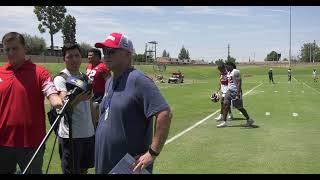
(48, 134)
(77, 86)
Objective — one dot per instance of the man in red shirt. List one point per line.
(23, 87)
(98, 72)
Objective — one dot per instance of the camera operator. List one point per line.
(82, 153)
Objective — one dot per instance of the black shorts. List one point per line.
(97, 97)
(83, 154)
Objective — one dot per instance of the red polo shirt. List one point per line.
(22, 113)
(96, 73)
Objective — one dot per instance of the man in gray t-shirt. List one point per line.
(130, 102)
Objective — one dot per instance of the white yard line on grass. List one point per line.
(203, 120)
(308, 87)
(311, 88)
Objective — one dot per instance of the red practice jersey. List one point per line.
(96, 74)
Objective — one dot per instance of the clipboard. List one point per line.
(124, 166)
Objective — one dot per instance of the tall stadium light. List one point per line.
(290, 41)
(153, 48)
(314, 49)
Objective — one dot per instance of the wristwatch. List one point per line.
(152, 152)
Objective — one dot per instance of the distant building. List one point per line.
(199, 62)
(167, 60)
(163, 60)
(57, 51)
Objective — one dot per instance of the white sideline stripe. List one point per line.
(289, 91)
(311, 88)
(203, 120)
(268, 113)
(295, 79)
(191, 127)
(276, 91)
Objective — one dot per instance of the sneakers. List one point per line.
(223, 124)
(219, 118)
(250, 122)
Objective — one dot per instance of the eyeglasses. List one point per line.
(108, 51)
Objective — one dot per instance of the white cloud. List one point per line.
(214, 27)
(224, 11)
(280, 11)
(151, 31)
(12, 12)
(114, 9)
(177, 25)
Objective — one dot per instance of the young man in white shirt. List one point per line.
(234, 94)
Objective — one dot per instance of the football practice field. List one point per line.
(285, 138)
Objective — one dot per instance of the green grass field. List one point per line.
(281, 142)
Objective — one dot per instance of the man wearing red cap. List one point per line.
(130, 102)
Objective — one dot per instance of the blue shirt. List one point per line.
(133, 99)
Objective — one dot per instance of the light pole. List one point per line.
(290, 41)
(152, 50)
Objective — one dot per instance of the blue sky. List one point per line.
(205, 31)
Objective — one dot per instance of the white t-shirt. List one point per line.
(232, 77)
(314, 73)
(223, 88)
(82, 126)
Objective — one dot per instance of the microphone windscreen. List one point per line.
(76, 82)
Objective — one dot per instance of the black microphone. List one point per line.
(76, 86)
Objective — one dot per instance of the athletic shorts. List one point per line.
(223, 90)
(83, 154)
(230, 100)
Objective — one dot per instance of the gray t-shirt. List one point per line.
(233, 78)
(82, 126)
(133, 99)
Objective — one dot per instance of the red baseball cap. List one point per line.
(116, 40)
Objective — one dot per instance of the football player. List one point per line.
(223, 87)
(233, 95)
